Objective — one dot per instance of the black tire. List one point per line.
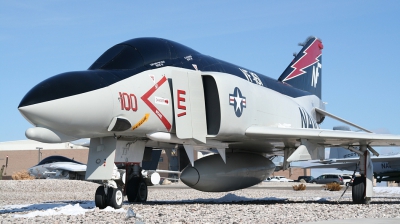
(100, 198)
(116, 198)
(142, 192)
(358, 189)
(132, 188)
(137, 190)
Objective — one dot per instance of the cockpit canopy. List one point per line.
(54, 159)
(139, 52)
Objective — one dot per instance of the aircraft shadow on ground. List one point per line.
(234, 199)
(266, 202)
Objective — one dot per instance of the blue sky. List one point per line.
(39, 39)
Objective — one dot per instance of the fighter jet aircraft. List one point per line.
(150, 93)
(58, 167)
(385, 168)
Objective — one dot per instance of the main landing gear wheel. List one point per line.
(100, 198)
(358, 190)
(137, 190)
(142, 193)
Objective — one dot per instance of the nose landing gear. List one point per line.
(108, 194)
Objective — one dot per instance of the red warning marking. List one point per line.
(181, 114)
(146, 100)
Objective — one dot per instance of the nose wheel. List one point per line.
(108, 196)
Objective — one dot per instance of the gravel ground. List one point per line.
(261, 204)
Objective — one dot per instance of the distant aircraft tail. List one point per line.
(340, 152)
(304, 72)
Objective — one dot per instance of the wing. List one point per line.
(356, 159)
(341, 166)
(74, 167)
(323, 137)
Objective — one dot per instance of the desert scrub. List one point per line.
(299, 187)
(333, 187)
(22, 175)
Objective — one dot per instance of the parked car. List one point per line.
(307, 179)
(347, 180)
(284, 179)
(272, 179)
(278, 179)
(329, 178)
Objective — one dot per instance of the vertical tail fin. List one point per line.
(304, 72)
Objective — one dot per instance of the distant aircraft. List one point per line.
(58, 167)
(150, 93)
(385, 168)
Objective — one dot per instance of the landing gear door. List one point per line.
(189, 105)
(100, 163)
(129, 152)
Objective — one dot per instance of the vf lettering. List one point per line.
(315, 75)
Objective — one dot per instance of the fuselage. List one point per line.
(131, 85)
(380, 168)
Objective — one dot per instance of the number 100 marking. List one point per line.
(128, 101)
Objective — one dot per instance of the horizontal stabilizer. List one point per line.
(340, 119)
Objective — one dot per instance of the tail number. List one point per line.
(315, 74)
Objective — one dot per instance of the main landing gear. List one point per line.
(136, 187)
(362, 189)
(111, 192)
(358, 191)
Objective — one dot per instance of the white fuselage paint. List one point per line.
(148, 105)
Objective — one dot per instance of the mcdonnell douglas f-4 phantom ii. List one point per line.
(150, 93)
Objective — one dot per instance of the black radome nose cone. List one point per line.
(68, 84)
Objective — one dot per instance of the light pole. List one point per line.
(40, 154)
